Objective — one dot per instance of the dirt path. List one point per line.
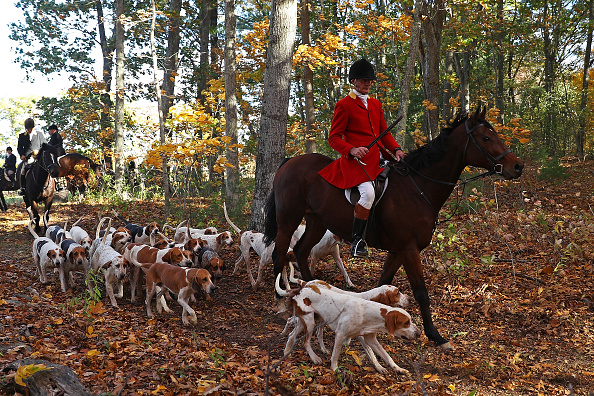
(524, 335)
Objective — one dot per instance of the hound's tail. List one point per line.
(229, 220)
(116, 214)
(31, 230)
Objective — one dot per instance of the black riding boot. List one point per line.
(22, 190)
(359, 247)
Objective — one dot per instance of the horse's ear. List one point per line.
(483, 112)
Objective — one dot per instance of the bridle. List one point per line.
(42, 165)
(497, 169)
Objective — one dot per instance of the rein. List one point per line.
(46, 169)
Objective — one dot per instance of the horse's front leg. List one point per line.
(413, 266)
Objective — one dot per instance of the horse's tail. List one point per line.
(270, 226)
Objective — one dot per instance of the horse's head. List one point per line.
(485, 149)
(48, 159)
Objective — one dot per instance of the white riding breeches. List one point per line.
(367, 194)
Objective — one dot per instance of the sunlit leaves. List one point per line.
(24, 372)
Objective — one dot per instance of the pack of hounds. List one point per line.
(190, 264)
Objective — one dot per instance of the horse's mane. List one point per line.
(435, 149)
(46, 147)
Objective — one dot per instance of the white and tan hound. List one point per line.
(181, 281)
(350, 317)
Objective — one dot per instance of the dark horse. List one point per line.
(39, 184)
(5, 185)
(75, 167)
(404, 218)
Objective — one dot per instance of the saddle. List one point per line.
(380, 184)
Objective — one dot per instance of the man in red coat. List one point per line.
(357, 120)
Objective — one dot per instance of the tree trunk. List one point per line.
(499, 63)
(275, 103)
(413, 49)
(447, 111)
(120, 93)
(549, 73)
(204, 38)
(581, 135)
(232, 180)
(157, 87)
(432, 30)
(462, 62)
(56, 380)
(171, 57)
(105, 98)
(310, 139)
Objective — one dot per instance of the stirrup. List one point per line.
(359, 249)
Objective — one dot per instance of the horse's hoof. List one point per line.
(446, 347)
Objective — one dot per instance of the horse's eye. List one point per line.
(486, 138)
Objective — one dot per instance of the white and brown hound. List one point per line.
(350, 317)
(181, 281)
(139, 234)
(77, 258)
(137, 253)
(46, 254)
(114, 265)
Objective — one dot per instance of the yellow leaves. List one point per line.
(355, 356)
(428, 105)
(324, 53)
(91, 332)
(431, 377)
(24, 372)
(92, 353)
(159, 389)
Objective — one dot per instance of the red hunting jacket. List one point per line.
(353, 125)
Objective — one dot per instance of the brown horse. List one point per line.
(75, 167)
(403, 220)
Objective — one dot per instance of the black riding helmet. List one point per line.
(29, 123)
(362, 69)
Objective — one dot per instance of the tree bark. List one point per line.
(275, 103)
(105, 98)
(432, 30)
(462, 62)
(120, 94)
(499, 63)
(232, 179)
(411, 61)
(581, 135)
(58, 379)
(171, 56)
(310, 139)
(157, 88)
(204, 39)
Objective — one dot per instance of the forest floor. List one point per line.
(511, 280)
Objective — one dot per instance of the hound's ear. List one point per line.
(167, 257)
(394, 321)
